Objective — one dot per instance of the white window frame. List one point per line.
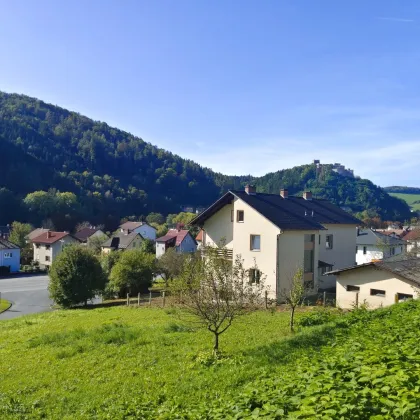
(251, 236)
(237, 216)
(8, 254)
(329, 244)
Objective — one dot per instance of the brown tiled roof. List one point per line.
(85, 233)
(174, 234)
(121, 240)
(412, 235)
(49, 237)
(199, 237)
(35, 233)
(131, 225)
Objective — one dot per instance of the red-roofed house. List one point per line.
(181, 240)
(146, 231)
(50, 244)
(413, 241)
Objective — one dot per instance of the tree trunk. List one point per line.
(292, 319)
(216, 343)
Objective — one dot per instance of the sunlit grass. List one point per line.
(4, 304)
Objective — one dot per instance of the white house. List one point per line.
(49, 245)
(380, 283)
(146, 231)
(181, 240)
(372, 245)
(413, 242)
(281, 234)
(9, 256)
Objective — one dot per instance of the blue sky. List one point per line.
(239, 86)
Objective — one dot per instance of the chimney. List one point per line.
(250, 189)
(48, 234)
(307, 195)
(284, 193)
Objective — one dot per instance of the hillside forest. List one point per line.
(60, 166)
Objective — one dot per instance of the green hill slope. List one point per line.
(127, 363)
(115, 174)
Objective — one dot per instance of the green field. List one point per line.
(129, 363)
(4, 304)
(409, 199)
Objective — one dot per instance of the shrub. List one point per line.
(75, 276)
(318, 316)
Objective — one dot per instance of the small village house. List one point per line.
(85, 235)
(9, 256)
(412, 239)
(377, 284)
(144, 229)
(372, 245)
(36, 232)
(180, 239)
(49, 245)
(122, 241)
(280, 234)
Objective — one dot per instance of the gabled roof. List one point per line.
(5, 244)
(199, 237)
(174, 235)
(84, 234)
(50, 237)
(36, 232)
(409, 269)
(292, 213)
(134, 225)
(121, 240)
(372, 237)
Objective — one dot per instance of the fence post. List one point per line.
(128, 299)
(324, 299)
(357, 299)
(150, 299)
(138, 300)
(163, 295)
(396, 298)
(266, 299)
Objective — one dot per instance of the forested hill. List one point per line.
(402, 190)
(114, 174)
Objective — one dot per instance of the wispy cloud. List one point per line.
(395, 19)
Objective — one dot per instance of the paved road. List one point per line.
(28, 295)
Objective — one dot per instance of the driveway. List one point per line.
(28, 295)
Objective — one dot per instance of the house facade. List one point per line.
(281, 234)
(378, 284)
(180, 239)
(122, 241)
(49, 245)
(9, 256)
(413, 242)
(372, 245)
(85, 235)
(144, 229)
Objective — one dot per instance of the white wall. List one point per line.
(371, 278)
(160, 249)
(374, 252)
(218, 227)
(342, 255)
(148, 232)
(54, 250)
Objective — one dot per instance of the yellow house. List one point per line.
(380, 283)
(281, 234)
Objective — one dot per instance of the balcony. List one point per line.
(223, 253)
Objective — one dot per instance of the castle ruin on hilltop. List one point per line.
(337, 168)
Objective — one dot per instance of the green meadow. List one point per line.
(413, 200)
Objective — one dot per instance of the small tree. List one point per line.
(170, 265)
(75, 276)
(133, 272)
(95, 243)
(216, 292)
(148, 246)
(155, 218)
(295, 295)
(17, 236)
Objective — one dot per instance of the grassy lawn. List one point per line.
(4, 304)
(409, 199)
(144, 363)
(76, 361)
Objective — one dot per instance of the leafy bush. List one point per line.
(317, 316)
(75, 276)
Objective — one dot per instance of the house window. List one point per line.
(377, 292)
(47, 247)
(329, 241)
(364, 250)
(255, 243)
(351, 288)
(308, 261)
(403, 296)
(47, 258)
(231, 215)
(240, 216)
(254, 276)
(8, 255)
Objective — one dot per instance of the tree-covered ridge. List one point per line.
(402, 190)
(115, 174)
